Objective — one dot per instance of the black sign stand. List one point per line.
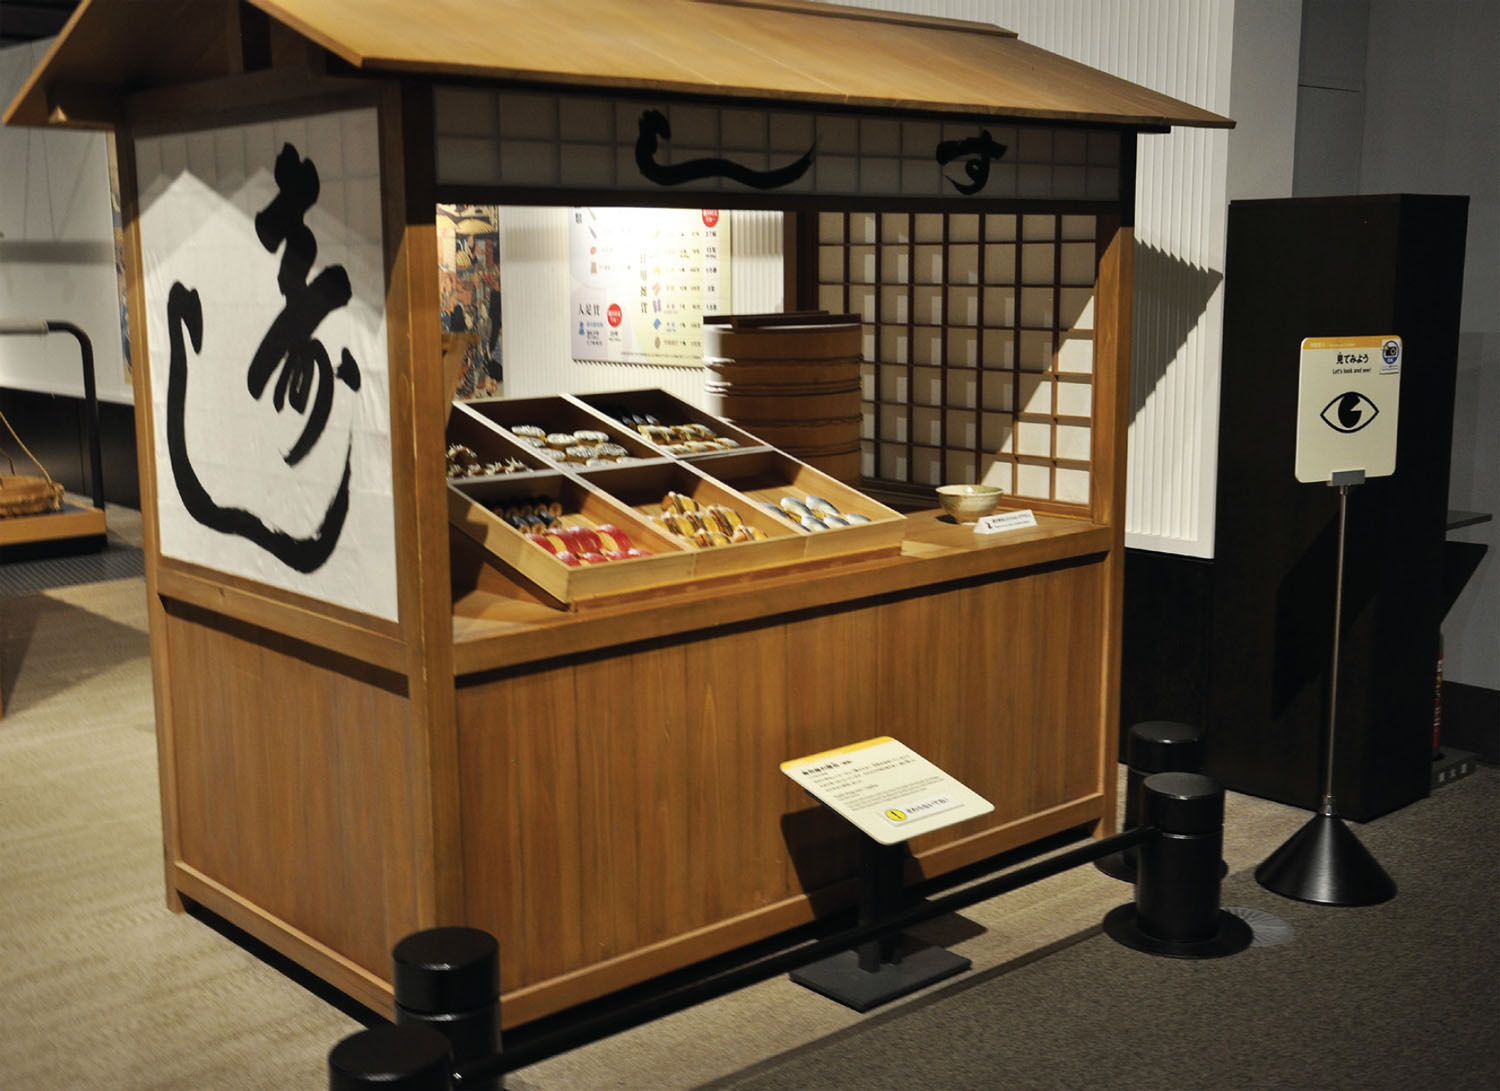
(1325, 862)
(878, 971)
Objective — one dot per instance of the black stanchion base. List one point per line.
(1325, 863)
(1117, 865)
(1122, 925)
(391, 1058)
(1120, 865)
(839, 977)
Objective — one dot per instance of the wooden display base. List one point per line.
(71, 522)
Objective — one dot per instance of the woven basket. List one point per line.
(23, 494)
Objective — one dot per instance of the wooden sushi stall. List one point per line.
(380, 705)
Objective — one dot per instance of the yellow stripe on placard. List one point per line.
(1343, 342)
(793, 763)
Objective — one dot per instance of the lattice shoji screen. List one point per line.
(978, 348)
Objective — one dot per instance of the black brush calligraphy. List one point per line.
(307, 376)
(289, 343)
(977, 152)
(653, 128)
(185, 312)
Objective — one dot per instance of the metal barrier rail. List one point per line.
(1175, 912)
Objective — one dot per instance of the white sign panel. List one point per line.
(1347, 400)
(265, 321)
(642, 280)
(1005, 520)
(885, 789)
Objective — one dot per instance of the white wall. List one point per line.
(57, 253)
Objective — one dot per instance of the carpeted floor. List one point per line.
(102, 987)
(1400, 995)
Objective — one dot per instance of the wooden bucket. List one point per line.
(792, 380)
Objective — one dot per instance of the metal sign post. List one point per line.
(1346, 385)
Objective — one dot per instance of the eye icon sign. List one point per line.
(1349, 412)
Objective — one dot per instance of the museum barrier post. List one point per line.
(1176, 909)
(1152, 746)
(449, 979)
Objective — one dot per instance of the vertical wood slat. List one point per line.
(425, 828)
(1111, 422)
(145, 451)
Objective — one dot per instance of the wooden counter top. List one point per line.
(493, 632)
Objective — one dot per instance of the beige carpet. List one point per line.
(102, 987)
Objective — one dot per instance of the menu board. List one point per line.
(642, 280)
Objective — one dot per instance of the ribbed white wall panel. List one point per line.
(1180, 48)
(538, 349)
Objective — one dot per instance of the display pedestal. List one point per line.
(878, 971)
(1324, 862)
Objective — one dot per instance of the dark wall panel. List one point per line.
(55, 429)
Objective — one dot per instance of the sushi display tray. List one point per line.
(581, 507)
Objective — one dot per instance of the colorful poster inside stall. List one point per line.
(468, 239)
(642, 280)
(265, 322)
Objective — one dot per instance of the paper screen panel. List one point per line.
(979, 341)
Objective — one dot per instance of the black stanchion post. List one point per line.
(392, 1058)
(449, 979)
(1176, 909)
(1324, 862)
(1152, 746)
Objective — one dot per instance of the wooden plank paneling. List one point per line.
(419, 400)
(624, 812)
(521, 743)
(283, 768)
(1115, 296)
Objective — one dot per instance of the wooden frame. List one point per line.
(598, 787)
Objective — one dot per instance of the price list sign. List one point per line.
(642, 280)
(885, 789)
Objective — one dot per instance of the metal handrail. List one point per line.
(38, 327)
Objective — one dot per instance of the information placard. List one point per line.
(885, 789)
(1348, 394)
(1005, 520)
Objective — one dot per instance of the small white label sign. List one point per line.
(1348, 394)
(887, 790)
(1005, 520)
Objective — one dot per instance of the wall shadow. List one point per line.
(1170, 297)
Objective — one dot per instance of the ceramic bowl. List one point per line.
(969, 503)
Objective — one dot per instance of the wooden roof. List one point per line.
(769, 50)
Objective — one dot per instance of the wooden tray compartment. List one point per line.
(558, 414)
(487, 441)
(669, 409)
(765, 476)
(641, 488)
(469, 511)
